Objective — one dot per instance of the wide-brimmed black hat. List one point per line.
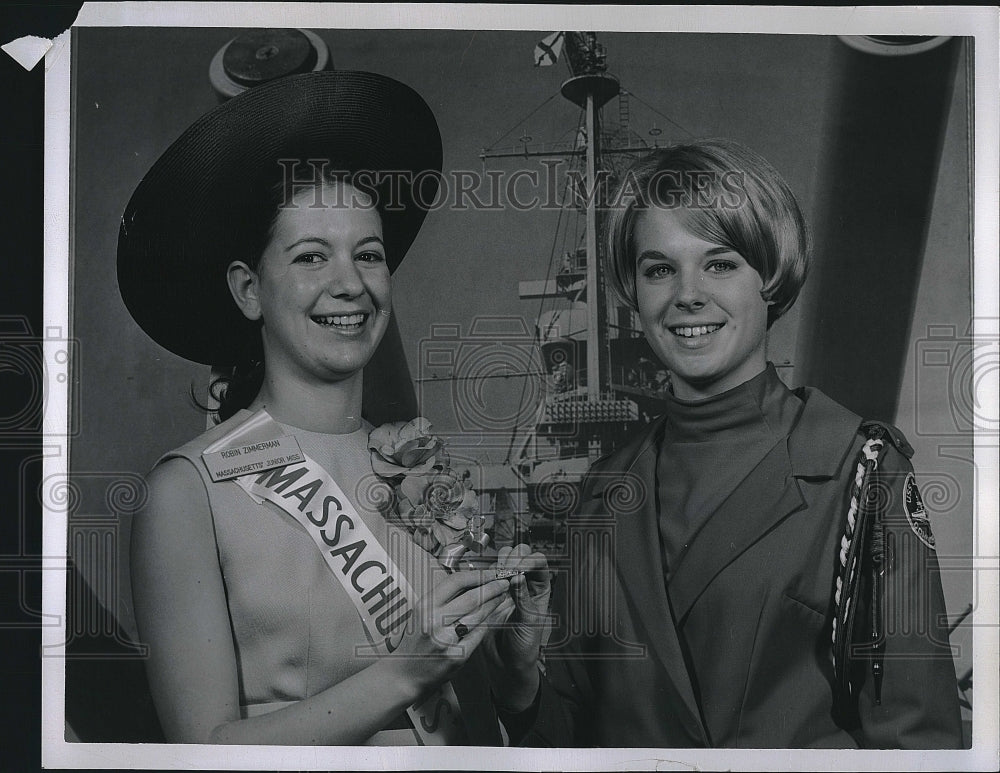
(209, 194)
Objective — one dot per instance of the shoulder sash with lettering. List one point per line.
(380, 592)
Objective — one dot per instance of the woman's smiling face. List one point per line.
(322, 286)
(699, 304)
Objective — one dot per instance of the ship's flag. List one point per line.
(548, 49)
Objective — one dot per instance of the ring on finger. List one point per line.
(461, 630)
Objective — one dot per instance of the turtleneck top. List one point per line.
(709, 447)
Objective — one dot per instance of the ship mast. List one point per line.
(590, 88)
(585, 423)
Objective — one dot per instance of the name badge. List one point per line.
(252, 458)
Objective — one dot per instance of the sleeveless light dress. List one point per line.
(295, 631)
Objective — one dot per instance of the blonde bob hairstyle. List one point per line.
(731, 197)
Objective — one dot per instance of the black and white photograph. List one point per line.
(475, 387)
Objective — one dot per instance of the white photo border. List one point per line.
(978, 22)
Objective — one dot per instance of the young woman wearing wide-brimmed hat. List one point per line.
(278, 604)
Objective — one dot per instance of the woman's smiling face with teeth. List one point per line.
(699, 304)
(322, 285)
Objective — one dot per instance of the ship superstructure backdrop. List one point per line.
(506, 338)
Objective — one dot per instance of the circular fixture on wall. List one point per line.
(894, 45)
(261, 55)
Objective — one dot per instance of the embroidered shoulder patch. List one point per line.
(916, 515)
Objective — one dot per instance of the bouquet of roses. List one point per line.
(439, 509)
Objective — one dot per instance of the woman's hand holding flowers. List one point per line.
(441, 512)
(434, 650)
(513, 650)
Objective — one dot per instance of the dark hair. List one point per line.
(237, 390)
(730, 196)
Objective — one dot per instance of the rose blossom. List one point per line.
(431, 501)
(404, 448)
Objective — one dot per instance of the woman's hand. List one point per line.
(513, 650)
(433, 651)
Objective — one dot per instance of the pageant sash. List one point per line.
(379, 590)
